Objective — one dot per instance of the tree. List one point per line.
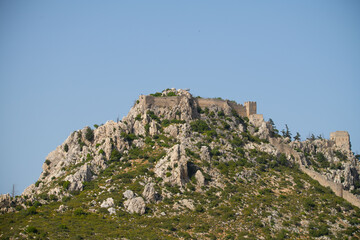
(273, 131)
(297, 137)
(89, 135)
(312, 137)
(66, 147)
(286, 133)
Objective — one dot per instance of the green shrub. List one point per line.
(199, 208)
(157, 94)
(128, 137)
(18, 207)
(89, 134)
(101, 151)
(171, 94)
(152, 115)
(322, 160)
(53, 197)
(66, 147)
(66, 185)
(165, 122)
(31, 210)
(138, 117)
(37, 204)
(37, 183)
(48, 162)
(115, 155)
(318, 230)
(79, 212)
(309, 204)
(199, 126)
(31, 229)
(63, 227)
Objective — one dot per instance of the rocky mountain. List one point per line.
(191, 168)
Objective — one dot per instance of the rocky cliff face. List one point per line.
(86, 152)
(183, 147)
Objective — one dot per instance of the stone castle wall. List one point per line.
(335, 187)
(160, 101)
(243, 111)
(341, 139)
(250, 108)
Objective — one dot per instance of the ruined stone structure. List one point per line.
(249, 108)
(341, 139)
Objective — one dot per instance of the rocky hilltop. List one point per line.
(175, 157)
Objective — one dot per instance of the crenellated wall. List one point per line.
(341, 139)
(160, 101)
(244, 111)
(250, 108)
(337, 188)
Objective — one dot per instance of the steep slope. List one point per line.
(183, 167)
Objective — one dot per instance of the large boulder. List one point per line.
(135, 205)
(128, 194)
(149, 193)
(109, 202)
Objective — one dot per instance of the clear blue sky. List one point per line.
(68, 64)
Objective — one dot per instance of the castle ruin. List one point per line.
(246, 110)
(341, 139)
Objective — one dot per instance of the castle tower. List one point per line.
(250, 108)
(341, 139)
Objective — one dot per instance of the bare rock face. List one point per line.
(135, 205)
(149, 193)
(200, 179)
(5, 202)
(172, 130)
(84, 174)
(112, 210)
(62, 208)
(189, 203)
(173, 167)
(205, 154)
(109, 202)
(128, 194)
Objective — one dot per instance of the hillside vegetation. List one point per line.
(186, 172)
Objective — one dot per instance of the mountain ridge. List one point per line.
(171, 144)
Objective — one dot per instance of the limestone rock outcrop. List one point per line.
(173, 167)
(150, 193)
(135, 205)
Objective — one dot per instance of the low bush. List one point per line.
(31, 229)
(89, 134)
(199, 126)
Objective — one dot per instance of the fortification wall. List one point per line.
(239, 108)
(351, 198)
(250, 108)
(208, 102)
(161, 101)
(341, 139)
(335, 187)
(243, 111)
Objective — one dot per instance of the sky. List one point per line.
(67, 64)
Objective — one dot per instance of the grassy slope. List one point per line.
(275, 201)
(243, 209)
